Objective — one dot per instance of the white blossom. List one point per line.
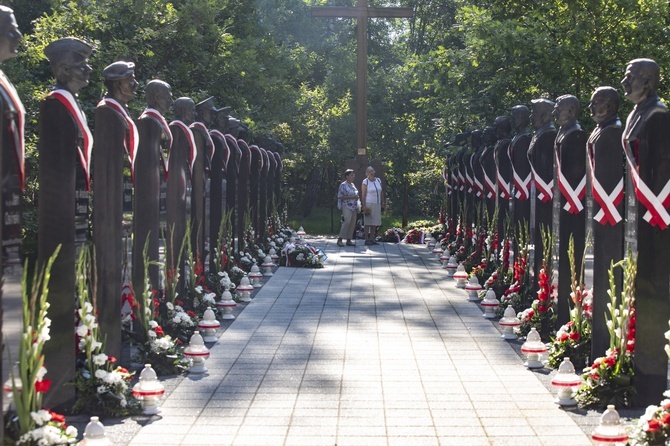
(100, 359)
(82, 330)
(40, 417)
(153, 324)
(100, 374)
(40, 373)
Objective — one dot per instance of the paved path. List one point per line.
(375, 349)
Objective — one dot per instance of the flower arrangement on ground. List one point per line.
(609, 380)
(32, 424)
(653, 428)
(393, 235)
(102, 387)
(519, 294)
(573, 339)
(301, 255)
(413, 236)
(155, 347)
(542, 312)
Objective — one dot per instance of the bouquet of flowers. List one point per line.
(101, 387)
(393, 235)
(653, 428)
(30, 423)
(413, 236)
(301, 256)
(542, 312)
(573, 339)
(155, 346)
(609, 380)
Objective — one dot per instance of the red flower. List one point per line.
(594, 376)
(610, 361)
(653, 425)
(563, 337)
(42, 386)
(574, 336)
(542, 308)
(56, 417)
(122, 370)
(112, 359)
(665, 419)
(190, 313)
(159, 331)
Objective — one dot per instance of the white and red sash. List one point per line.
(18, 131)
(266, 160)
(208, 139)
(68, 101)
(461, 180)
(656, 205)
(504, 186)
(573, 196)
(132, 138)
(191, 142)
(234, 149)
(608, 203)
(521, 186)
(242, 143)
(166, 131)
(255, 148)
(468, 181)
(544, 190)
(490, 185)
(221, 136)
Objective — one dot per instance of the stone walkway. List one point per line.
(377, 348)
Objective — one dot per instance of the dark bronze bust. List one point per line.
(65, 144)
(116, 139)
(647, 148)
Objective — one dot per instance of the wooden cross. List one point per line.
(361, 12)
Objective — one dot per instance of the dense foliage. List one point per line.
(455, 66)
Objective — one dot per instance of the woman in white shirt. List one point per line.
(372, 197)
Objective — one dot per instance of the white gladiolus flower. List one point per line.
(43, 335)
(151, 333)
(100, 359)
(95, 345)
(82, 330)
(198, 289)
(153, 324)
(40, 417)
(71, 431)
(40, 373)
(210, 298)
(169, 305)
(100, 374)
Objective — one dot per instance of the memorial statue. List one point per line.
(243, 171)
(570, 158)
(646, 141)
(460, 188)
(12, 144)
(606, 162)
(521, 174)
(478, 175)
(12, 115)
(116, 138)
(155, 140)
(487, 160)
(180, 165)
(541, 160)
(64, 147)
(205, 115)
(503, 129)
(217, 173)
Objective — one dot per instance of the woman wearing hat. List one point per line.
(347, 202)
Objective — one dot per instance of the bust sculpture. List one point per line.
(180, 165)
(521, 174)
(155, 141)
(647, 148)
(487, 160)
(571, 178)
(606, 163)
(64, 147)
(503, 128)
(541, 161)
(204, 116)
(218, 182)
(12, 142)
(116, 138)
